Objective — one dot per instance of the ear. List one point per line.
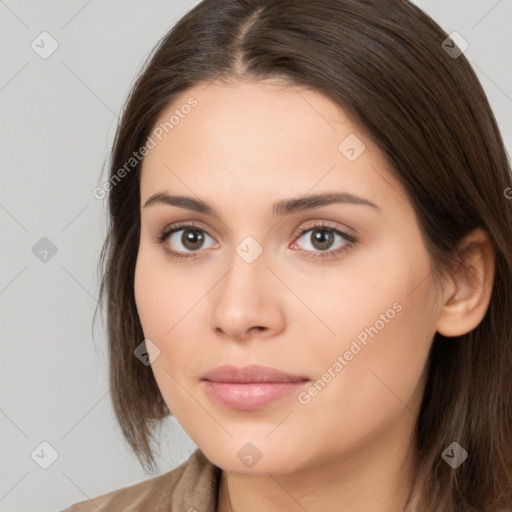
(467, 296)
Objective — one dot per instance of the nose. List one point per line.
(246, 303)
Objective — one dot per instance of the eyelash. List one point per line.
(162, 237)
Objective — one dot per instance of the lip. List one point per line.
(251, 387)
(251, 373)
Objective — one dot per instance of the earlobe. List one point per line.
(467, 299)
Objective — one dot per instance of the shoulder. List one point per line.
(190, 487)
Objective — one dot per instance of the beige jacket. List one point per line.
(191, 487)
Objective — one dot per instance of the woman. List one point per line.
(309, 265)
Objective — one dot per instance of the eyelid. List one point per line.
(319, 224)
(175, 226)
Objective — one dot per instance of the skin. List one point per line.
(243, 147)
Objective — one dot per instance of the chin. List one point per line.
(253, 458)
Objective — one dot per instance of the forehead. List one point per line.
(268, 109)
(270, 137)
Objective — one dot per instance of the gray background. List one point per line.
(58, 118)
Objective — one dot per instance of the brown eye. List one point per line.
(322, 239)
(183, 240)
(192, 239)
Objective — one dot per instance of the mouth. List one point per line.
(249, 388)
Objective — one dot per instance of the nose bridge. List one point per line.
(247, 278)
(245, 297)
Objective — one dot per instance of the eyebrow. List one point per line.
(279, 209)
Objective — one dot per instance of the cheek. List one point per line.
(146, 296)
(380, 332)
(378, 356)
(159, 298)
(164, 306)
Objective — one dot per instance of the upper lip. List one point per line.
(251, 373)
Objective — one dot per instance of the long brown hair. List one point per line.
(385, 63)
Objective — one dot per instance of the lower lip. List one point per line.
(250, 396)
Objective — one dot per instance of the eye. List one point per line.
(321, 242)
(181, 239)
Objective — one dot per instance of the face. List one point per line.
(336, 293)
